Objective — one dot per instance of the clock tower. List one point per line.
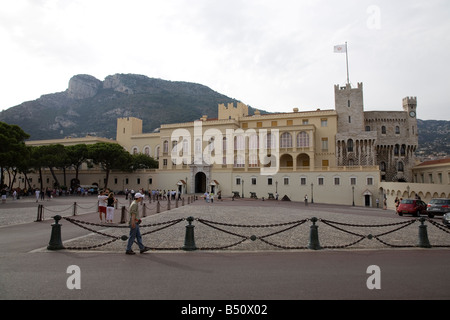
(410, 107)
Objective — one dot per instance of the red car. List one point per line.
(412, 206)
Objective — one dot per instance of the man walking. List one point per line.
(134, 226)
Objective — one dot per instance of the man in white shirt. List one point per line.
(102, 204)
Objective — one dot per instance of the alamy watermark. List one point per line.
(74, 280)
(259, 149)
(374, 20)
(374, 281)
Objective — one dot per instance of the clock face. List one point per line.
(412, 114)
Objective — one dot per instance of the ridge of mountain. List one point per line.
(91, 107)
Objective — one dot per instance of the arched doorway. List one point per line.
(200, 182)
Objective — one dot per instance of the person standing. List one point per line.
(102, 205)
(110, 203)
(135, 233)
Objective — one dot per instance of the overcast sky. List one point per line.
(270, 54)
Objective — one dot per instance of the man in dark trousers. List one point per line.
(134, 226)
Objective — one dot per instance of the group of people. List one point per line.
(106, 207)
(209, 196)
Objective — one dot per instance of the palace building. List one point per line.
(339, 155)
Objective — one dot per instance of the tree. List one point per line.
(110, 156)
(12, 146)
(77, 155)
(142, 161)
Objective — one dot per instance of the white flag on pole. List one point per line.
(342, 48)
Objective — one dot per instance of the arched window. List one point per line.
(396, 150)
(286, 140)
(270, 141)
(350, 145)
(239, 142)
(302, 140)
(253, 143)
(400, 166)
(166, 146)
(403, 150)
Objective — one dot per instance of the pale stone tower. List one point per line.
(355, 146)
(387, 139)
(127, 127)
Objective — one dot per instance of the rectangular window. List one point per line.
(238, 181)
(303, 181)
(337, 181)
(290, 122)
(274, 123)
(269, 181)
(324, 144)
(286, 181)
(324, 122)
(320, 181)
(253, 181)
(369, 181)
(353, 181)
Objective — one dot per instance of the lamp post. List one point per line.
(312, 192)
(242, 187)
(353, 191)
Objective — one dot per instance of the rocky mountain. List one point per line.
(434, 139)
(91, 107)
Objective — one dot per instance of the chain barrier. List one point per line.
(221, 228)
(82, 224)
(291, 225)
(333, 224)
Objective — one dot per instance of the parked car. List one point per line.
(412, 206)
(446, 219)
(438, 206)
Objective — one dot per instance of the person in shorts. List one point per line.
(102, 205)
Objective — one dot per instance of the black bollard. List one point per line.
(423, 235)
(314, 236)
(55, 238)
(123, 215)
(189, 240)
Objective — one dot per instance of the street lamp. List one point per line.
(353, 191)
(312, 192)
(242, 187)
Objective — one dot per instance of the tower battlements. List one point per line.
(410, 100)
(348, 86)
(230, 111)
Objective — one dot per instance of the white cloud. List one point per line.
(273, 55)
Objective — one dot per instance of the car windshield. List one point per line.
(407, 201)
(440, 201)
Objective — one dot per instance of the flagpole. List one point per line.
(346, 54)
